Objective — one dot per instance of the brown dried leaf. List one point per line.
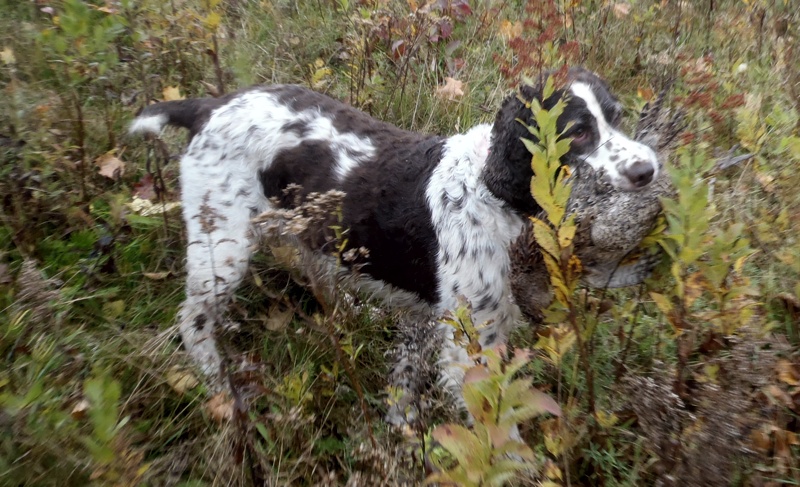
(157, 276)
(5, 274)
(172, 93)
(7, 56)
(779, 395)
(787, 373)
(621, 9)
(286, 256)
(79, 409)
(110, 166)
(766, 181)
(451, 89)
(145, 188)
(509, 31)
(181, 380)
(220, 407)
(279, 318)
(761, 440)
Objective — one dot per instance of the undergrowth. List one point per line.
(690, 379)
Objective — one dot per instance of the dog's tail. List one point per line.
(190, 114)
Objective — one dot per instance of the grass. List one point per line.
(93, 387)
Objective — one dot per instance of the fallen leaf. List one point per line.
(220, 407)
(645, 94)
(7, 56)
(145, 188)
(211, 89)
(766, 181)
(5, 274)
(621, 9)
(286, 256)
(451, 89)
(787, 373)
(779, 395)
(461, 7)
(156, 276)
(398, 48)
(79, 409)
(148, 208)
(110, 166)
(181, 380)
(761, 440)
(279, 318)
(172, 93)
(509, 31)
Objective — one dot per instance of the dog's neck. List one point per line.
(508, 178)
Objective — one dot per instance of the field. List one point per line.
(692, 378)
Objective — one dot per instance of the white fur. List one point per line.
(153, 124)
(474, 232)
(616, 152)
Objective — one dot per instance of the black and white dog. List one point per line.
(437, 214)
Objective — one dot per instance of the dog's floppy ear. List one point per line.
(508, 170)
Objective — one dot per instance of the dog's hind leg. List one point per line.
(218, 205)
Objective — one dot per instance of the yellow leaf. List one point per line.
(181, 380)
(509, 30)
(172, 93)
(110, 166)
(7, 56)
(711, 371)
(645, 93)
(212, 21)
(220, 407)
(551, 471)
(543, 235)
(451, 89)
(553, 445)
(787, 373)
(662, 302)
(606, 420)
(113, 309)
(694, 286)
(565, 235)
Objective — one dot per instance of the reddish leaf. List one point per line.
(445, 28)
(398, 48)
(145, 188)
(461, 7)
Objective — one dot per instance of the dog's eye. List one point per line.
(580, 134)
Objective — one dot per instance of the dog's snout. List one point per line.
(640, 173)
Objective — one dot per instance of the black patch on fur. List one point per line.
(309, 164)
(508, 170)
(299, 127)
(385, 209)
(200, 321)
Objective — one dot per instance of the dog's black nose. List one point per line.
(640, 173)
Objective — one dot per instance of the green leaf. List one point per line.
(462, 444)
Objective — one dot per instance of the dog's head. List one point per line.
(590, 119)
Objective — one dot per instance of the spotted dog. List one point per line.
(437, 214)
